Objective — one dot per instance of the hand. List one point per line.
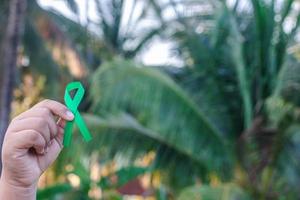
(32, 142)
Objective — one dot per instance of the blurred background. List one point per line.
(185, 99)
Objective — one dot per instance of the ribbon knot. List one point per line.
(72, 105)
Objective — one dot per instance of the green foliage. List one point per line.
(205, 192)
(125, 41)
(162, 103)
(234, 104)
(117, 89)
(283, 111)
(123, 176)
(38, 53)
(51, 191)
(288, 82)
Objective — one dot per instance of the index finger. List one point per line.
(57, 108)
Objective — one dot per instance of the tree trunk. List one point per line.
(14, 31)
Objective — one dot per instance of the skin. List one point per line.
(32, 143)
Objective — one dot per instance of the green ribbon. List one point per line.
(72, 105)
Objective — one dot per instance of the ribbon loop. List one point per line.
(72, 105)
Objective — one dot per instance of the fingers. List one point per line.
(55, 146)
(54, 149)
(57, 109)
(33, 123)
(40, 119)
(34, 132)
(61, 123)
(60, 134)
(37, 129)
(46, 115)
(30, 138)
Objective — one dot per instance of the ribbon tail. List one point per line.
(83, 128)
(68, 134)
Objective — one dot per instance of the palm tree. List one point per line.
(122, 30)
(216, 117)
(211, 121)
(216, 120)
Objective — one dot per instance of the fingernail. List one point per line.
(70, 114)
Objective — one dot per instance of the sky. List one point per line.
(158, 52)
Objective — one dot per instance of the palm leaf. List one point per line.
(286, 10)
(124, 41)
(155, 112)
(142, 43)
(72, 5)
(236, 43)
(124, 139)
(217, 74)
(111, 25)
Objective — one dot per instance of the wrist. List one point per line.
(11, 191)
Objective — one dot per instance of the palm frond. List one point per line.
(121, 137)
(286, 9)
(236, 44)
(73, 6)
(111, 15)
(142, 43)
(118, 89)
(124, 41)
